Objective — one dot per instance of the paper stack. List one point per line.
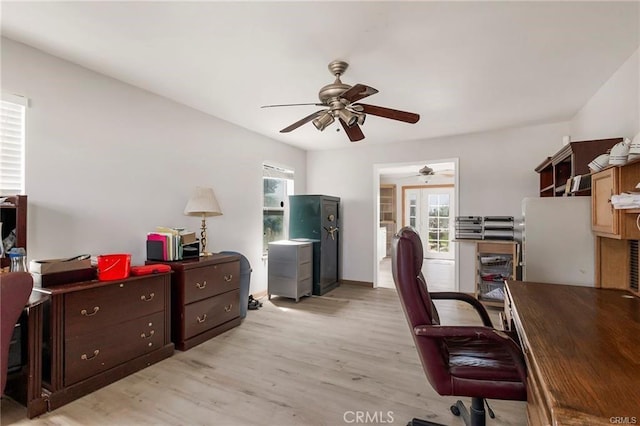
(626, 200)
(498, 228)
(469, 227)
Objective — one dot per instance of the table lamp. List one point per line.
(203, 203)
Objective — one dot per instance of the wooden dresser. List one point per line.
(97, 332)
(205, 298)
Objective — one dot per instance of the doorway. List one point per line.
(428, 209)
(425, 198)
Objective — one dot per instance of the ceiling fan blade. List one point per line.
(285, 105)
(394, 114)
(357, 92)
(299, 123)
(354, 132)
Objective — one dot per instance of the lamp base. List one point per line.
(206, 254)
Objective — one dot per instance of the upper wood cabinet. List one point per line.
(605, 220)
(571, 161)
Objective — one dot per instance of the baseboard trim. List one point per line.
(358, 283)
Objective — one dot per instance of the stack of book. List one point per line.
(498, 228)
(170, 244)
(469, 227)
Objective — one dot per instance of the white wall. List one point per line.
(614, 110)
(107, 162)
(496, 171)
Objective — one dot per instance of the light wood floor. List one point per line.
(439, 273)
(315, 362)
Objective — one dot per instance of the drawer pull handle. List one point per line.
(147, 299)
(228, 308)
(228, 278)
(87, 314)
(87, 358)
(201, 286)
(203, 319)
(151, 333)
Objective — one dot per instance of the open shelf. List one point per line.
(570, 161)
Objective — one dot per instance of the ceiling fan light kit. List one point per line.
(340, 99)
(347, 116)
(324, 120)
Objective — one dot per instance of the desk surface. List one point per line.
(583, 347)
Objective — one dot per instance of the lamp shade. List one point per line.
(203, 202)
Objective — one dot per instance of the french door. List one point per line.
(429, 210)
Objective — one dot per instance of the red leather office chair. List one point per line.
(15, 289)
(475, 361)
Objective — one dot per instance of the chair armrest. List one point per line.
(477, 333)
(463, 297)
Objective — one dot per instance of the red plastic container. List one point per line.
(113, 266)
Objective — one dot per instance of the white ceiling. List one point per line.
(463, 66)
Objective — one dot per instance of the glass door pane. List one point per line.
(438, 207)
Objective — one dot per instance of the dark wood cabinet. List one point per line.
(316, 219)
(97, 332)
(205, 298)
(13, 216)
(570, 161)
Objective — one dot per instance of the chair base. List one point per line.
(476, 416)
(420, 422)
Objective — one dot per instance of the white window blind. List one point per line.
(12, 118)
(278, 185)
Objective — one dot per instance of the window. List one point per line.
(438, 222)
(277, 186)
(12, 132)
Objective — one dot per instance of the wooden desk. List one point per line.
(582, 348)
(26, 386)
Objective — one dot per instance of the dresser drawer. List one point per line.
(202, 283)
(105, 348)
(290, 270)
(94, 309)
(206, 314)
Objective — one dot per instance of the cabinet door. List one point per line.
(330, 241)
(604, 218)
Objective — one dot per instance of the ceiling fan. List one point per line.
(341, 101)
(426, 173)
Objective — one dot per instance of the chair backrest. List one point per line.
(15, 289)
(407, 258)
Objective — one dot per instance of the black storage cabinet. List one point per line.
(317, 218)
